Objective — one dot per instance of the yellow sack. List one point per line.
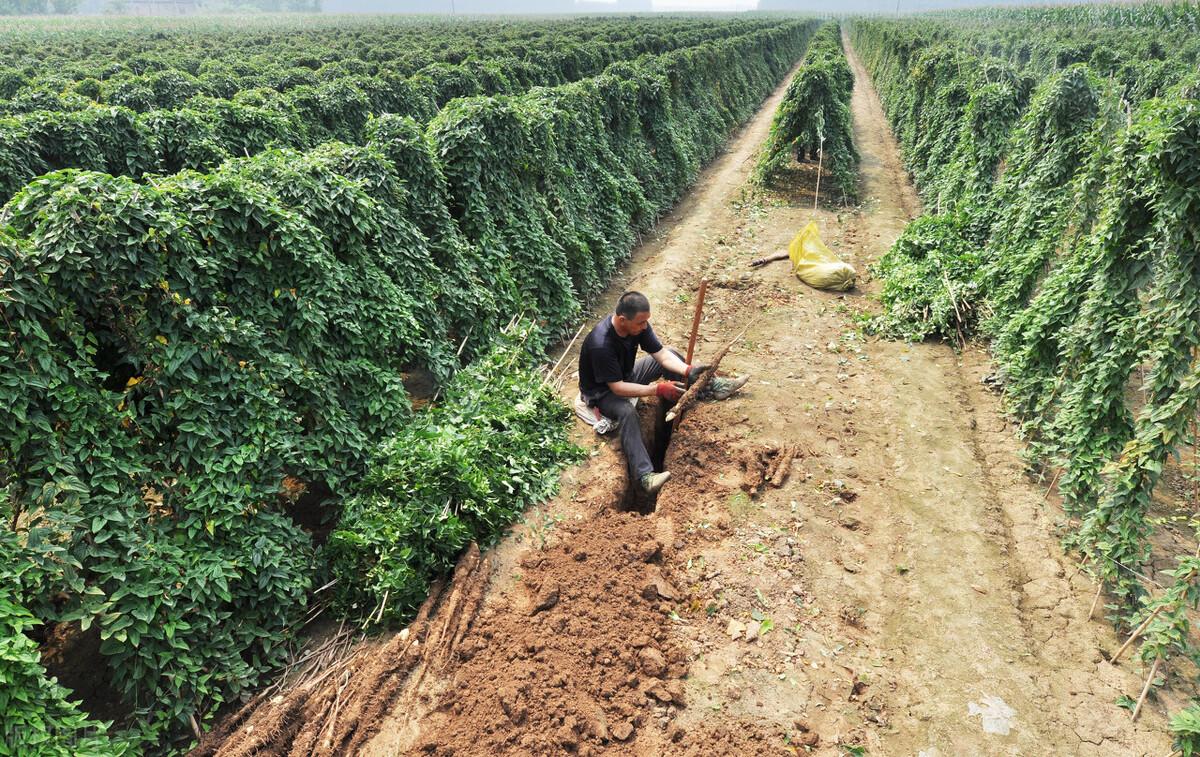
(816, 265)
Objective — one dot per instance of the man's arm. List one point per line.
(669, 362)
(630, 389)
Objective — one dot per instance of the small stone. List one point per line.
(658, 588)
(752, 632)
(735, 629)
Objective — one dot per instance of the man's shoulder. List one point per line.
(599, 334)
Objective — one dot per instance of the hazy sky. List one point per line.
(705, 5)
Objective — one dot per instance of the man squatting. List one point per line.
(611, 380)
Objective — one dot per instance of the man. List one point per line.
(610, 380)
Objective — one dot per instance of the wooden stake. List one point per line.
(1146, 689)
(1096, 601)
(1136, 633)
(696, 320)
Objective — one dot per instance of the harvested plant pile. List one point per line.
(1058, 154)
(187, 353)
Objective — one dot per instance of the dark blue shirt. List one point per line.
(607, 356)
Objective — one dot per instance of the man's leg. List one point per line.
(636, 456)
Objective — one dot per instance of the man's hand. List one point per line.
(695, 371)
(670, 391)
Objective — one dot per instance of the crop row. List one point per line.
(255, 54)
(175, 349)
(169, 120)
(813, 121)
(1063, 199)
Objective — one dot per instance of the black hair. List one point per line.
(632, 303)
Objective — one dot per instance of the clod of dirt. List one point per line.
(567, 738)
(808, 739)
(597, 725)
(668, 693)
(652, 662)
(849, 523)
(512, 706)
(675, 689)
(650, 550)
(622, 731)
(546, 599)
(658, 588)
(735, 629)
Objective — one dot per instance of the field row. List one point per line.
(1059, 163)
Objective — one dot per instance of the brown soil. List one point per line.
(900, 568)
(73, 657)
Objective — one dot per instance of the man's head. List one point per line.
(632, 315)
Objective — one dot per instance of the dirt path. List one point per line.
(903, 573)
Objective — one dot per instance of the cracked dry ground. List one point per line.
(904, 569)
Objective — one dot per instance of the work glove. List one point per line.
(694, 372)
(670, 391)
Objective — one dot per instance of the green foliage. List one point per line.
(1185, 727)
(226, 300)
(244, 92)
(814, 118)
(460, 472)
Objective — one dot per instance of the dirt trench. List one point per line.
(899, 591)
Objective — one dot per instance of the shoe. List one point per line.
(723, 388)
(652, 482)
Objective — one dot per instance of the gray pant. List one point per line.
(645, 371)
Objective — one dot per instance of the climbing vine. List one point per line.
(813, 121)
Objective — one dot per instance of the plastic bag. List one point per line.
(816, 266)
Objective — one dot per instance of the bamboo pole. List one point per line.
(696, 320)
(1136, 633)
(820, 160)
(1096, 601)
(567, 351)
(1146, 689)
